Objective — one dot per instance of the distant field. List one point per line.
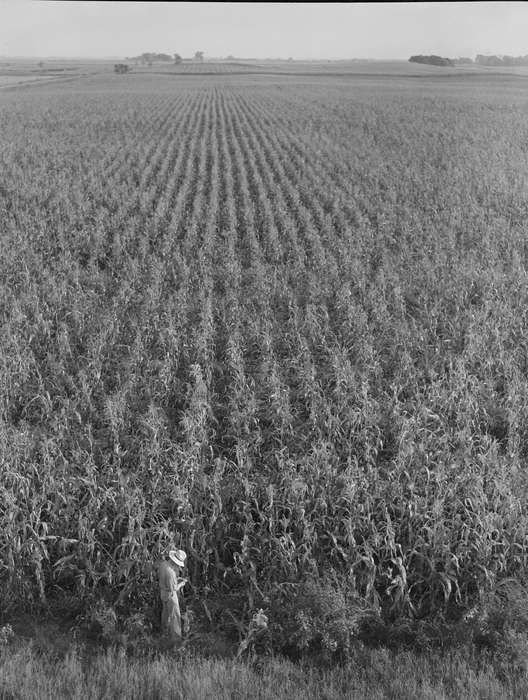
(391, 68)
(15, 72)
(16, 79)
(23, 70)
(276, 320)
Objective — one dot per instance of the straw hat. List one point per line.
(178, 557)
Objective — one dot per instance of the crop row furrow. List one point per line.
(317, 192)
(283, 226)
(289, 179)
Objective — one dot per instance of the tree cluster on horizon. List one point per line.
(432, 60)
(502, 60)
(149, 58)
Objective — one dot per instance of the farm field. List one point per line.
(24, 71)
(8, 80)
(354, 68)
(277, 321)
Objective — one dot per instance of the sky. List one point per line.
(68, 28)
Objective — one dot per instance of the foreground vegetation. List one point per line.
(30, 673)
(281, 325)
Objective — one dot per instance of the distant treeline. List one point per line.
(432, 60)
(480, 60)
(152, 57)
(502, 60)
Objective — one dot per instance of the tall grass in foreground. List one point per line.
(29, 674)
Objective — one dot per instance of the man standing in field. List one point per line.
(170, 583)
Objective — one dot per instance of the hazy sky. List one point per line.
(329, 30)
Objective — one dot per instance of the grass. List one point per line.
(31, 674)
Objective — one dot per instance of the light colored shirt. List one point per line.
(170, 582)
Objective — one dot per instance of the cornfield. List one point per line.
(280, 323)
